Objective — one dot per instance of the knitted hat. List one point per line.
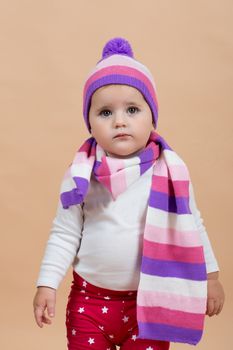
(118, 66)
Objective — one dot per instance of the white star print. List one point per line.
(101, 327)
(107, 298)
(82, 291)
(73, 331)
(84, 283)
(150, 348)
(86, 297)
(104, 310)
(111, 336)
(134, 337)
(125, 319)
(91, 340)
(81, 309)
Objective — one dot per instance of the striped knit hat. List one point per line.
(118, 66)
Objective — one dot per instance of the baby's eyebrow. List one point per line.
(126, 104)
(132, 103)
(103, 107)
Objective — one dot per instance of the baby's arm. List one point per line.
(215, 291)
(210, 259)
(62, 246)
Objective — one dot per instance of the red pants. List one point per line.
(99, 319)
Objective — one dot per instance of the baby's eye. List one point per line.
(105, 112)
(132, 110)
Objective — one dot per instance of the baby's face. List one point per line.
(120, 109)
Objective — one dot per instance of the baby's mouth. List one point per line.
(121, 135)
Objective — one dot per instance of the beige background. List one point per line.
(47, 49)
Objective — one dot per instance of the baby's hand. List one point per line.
(215, 297)
(45, 298)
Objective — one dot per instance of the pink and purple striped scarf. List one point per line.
(172, 291)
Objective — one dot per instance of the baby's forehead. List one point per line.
(117, 92)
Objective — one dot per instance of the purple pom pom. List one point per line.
(118, 46)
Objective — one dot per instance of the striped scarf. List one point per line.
(172, 291)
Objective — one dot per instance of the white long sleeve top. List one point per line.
(102, 238)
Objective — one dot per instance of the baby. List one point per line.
(144, 272)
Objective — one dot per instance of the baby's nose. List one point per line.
(120, 119)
